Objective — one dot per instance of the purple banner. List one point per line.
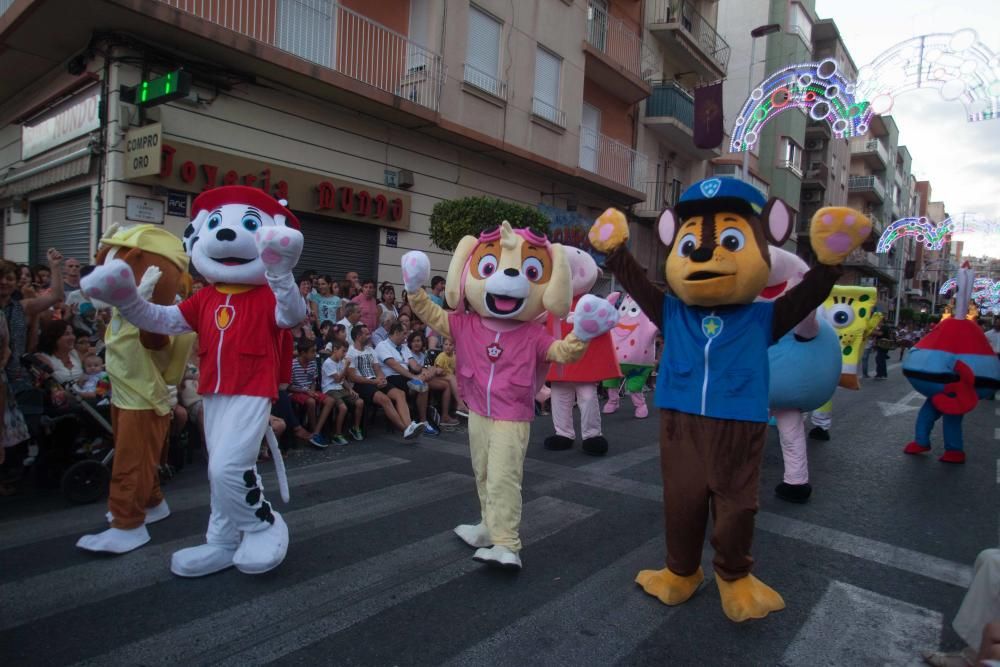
(708, 126)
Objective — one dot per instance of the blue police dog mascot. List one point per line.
(712, 385)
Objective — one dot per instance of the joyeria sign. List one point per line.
(190, 168)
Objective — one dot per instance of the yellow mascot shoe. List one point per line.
(748, 598)
(609, 231)
(668, 587)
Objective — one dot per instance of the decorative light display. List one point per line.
(985, 294)
(817, 88)
(957, 65)
(933, 235)
(924, 230)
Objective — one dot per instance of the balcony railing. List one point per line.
(870, 146)
(546, 111)
(669, 99)
(611, 159)
(703, 32)
(335, 37)
(865, 183)
(614, 38)
(484, 81)
(657, 198)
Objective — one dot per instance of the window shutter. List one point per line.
(307, 28)
(483, 52)
(547, 66)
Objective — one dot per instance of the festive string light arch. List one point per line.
(817, 88)
(957, 65)
(985, 294)
(933, 235)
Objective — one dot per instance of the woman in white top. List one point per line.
(388, 302)
(56, 345)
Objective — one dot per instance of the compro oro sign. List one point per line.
(68, 120)
(142, 150)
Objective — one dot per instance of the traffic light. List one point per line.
(152, 92)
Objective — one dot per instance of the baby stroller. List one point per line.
(74, 438)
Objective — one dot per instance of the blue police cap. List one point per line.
(719, 193)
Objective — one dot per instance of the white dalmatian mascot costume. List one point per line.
(245, 243)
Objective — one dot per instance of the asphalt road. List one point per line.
(872, 570)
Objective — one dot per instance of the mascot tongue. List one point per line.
(505, 303)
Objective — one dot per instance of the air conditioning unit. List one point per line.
(815, 144)
(812, 196)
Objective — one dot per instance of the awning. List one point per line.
(54, 167)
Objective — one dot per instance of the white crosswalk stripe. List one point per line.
(271, 625)
(854, 626)
(599, 622)
(78, 520)
(101, 578)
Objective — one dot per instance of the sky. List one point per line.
(960, 159)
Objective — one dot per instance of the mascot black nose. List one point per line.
(513, 273)
(702, 254)
(86, 270)
(225, 235)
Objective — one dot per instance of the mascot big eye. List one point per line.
(713, 379)
(245, 243)
(500, 284)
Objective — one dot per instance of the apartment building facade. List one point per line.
(779, 154)
(364, 115)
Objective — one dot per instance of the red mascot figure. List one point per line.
(576, 382)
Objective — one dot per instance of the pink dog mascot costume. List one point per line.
(576, 383)
(634, 338)
(245, 243)
(500, 284)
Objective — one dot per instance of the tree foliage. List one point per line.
(470, 216)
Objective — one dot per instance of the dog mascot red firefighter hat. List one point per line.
(140, 365)
(245, 244)
(501, 284)
(712, 386)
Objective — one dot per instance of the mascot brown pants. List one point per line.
(710, 465)
(140, 436)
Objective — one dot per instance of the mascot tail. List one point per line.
(279, 464)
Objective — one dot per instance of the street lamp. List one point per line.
(759, 31)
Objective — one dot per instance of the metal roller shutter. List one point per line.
(335, 247)
(63, 224)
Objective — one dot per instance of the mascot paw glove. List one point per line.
(147, 284)
(279, 249)
(112, 283)
(593, 316)
(609, 231)
(835, 231)
(416, 270)
(958, 397)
